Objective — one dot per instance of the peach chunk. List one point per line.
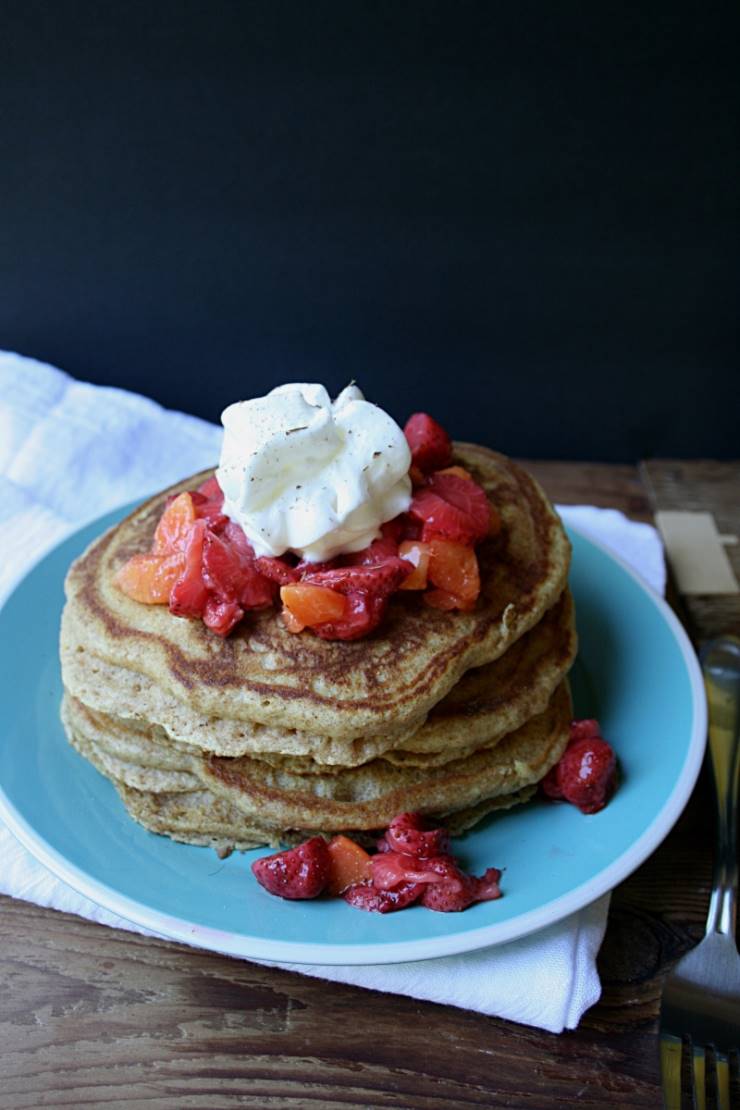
(350, 864)
(416, 552)
(311, 605)
(174, 526)
(150, 578)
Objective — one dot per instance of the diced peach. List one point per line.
(291, 623)
(150, 578)
(350, 864)
(495, 526)
(458, 471)
(417, 553)
(454, 567)
(443, 599)
(174, 526)
(313, 604)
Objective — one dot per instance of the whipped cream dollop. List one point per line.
(304, 474)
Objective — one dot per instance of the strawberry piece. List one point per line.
(208, 500)
(466, 519)
(277, 569)
(365, 896)
(457, 890)
(453, 567)
(311, 605)
(586, 774)
(148, 578)
(410, 834)
(386, 575)
(431, 447)
(379, 550)
(488, 885)
(416, 553)
(584, 728)
(390, 869)
(189, 594)
(350, 864)
(229, 570)
(221, 616)
(211, 490)
(173, 529)
(301, 872)
(367, 590)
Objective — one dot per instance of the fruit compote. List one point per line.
(202, 565)
(586, 773)
(413, 864)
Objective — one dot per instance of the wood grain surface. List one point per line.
(96, 1017)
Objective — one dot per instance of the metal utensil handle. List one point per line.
(721, 666)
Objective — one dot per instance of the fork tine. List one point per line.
(698, 1064)
(670, 1071)
(722, 1066)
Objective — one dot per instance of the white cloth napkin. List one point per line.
(69, 451)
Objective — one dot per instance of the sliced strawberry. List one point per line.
(209, 511)
(410, 833)
(452, 508)
(229, 570)
(431, 447)
(221, 616)
(384, 576)
(366, 589)
(365, 896)
(189, 594)
(393, 529)
(586, 774)
(457, 890)
(211, 489)
(584, 729)
(277, 569)
(393, 869)
(379, 550)
(301, 872)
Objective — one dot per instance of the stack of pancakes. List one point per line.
(268, 736)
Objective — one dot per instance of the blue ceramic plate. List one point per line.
(636, 672)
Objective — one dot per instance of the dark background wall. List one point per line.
(520, 217)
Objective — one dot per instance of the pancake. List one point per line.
(370, 796)
(383, 686)
(486, 703)
(169, 789)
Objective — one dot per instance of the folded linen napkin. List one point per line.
(70, 451)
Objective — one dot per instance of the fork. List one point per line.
(700, 1008)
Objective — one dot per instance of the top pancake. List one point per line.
(381, 684)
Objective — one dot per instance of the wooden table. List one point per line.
(90, 1016)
